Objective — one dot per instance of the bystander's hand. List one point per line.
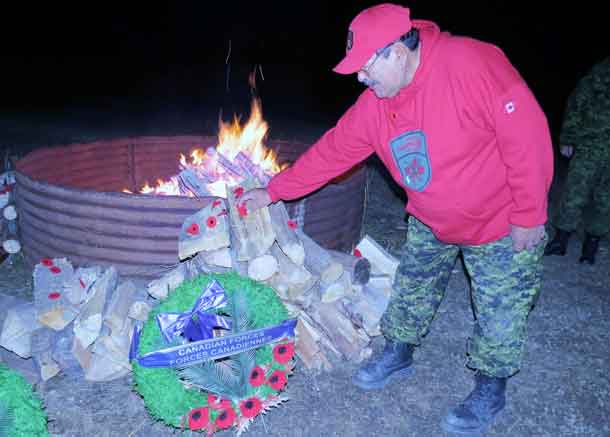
(526, 238)
(256, 198)
(566, 151)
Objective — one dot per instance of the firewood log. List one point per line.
(190, 182)
(359, 268)
(196, 266)
(52, 305)
(42, 346)
(160, 288)
(342, 287)
(110, 355)
(366, 309)
(118, 307)
(88, 325)
(19, 324)
(139, 311)
(296, 278)
(47, 367)
(285, 234)
(76, 288)
(308, 349)
(318, 261)
(382, 283)
(218, 257)
(380, 259)
(327, 348)
(252, 230)
(339, 328)
(83, 355)
(263, 267)
(206, 230)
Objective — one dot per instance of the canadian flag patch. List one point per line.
(509, 107)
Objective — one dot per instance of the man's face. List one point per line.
(388, 71)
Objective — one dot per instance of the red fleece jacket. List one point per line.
(466, 139)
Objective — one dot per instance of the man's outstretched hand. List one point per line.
(526, 238)
(255, 199)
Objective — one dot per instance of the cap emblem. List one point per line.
(350, 40)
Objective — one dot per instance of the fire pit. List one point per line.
(71, 203)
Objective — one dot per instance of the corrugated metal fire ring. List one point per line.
(71, 205)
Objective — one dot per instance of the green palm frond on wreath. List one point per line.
(227, 377)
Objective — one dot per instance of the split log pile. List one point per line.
(337, 297)
(9, 240)
(81, 321)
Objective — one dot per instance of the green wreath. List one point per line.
(195, 397)
(21, 412)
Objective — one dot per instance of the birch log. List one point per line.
(285, 234)
(358, 268)
(252, 230)
(318, 261)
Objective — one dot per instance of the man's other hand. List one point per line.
(256, 198)
(526, 238)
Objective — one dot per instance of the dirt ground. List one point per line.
(562, 390)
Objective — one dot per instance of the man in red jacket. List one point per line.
(460, 131)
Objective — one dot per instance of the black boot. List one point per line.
(477, 411)
(589, 249)
(559, 244)
(395, 360)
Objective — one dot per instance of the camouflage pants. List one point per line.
(505, 286)
(587, 183)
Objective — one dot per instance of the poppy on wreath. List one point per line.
(277, 380)
(257, 376)
(282, 353)
(250, 407)
(199, 418)
(226, 418)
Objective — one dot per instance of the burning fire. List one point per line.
(240, 153)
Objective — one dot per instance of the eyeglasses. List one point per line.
(385, 51)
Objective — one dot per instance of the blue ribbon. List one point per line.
(190, 354)
(196, 324)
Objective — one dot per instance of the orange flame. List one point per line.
(233, 139)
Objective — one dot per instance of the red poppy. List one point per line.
(199, 418)
(55, 270)
(216, 203)
(250, 407)
(82, 283)
(211, 222)
(226, 418)
(357, 253)
(257, 376)
(54, 295)
(193, 229)
(292, 224)
(48, 262)
(238, 192)
(215, 403)
(277, 380)
(242, 210)
(282, 353)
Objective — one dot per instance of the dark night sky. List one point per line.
(138, 56)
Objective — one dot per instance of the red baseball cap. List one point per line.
(371, 30)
